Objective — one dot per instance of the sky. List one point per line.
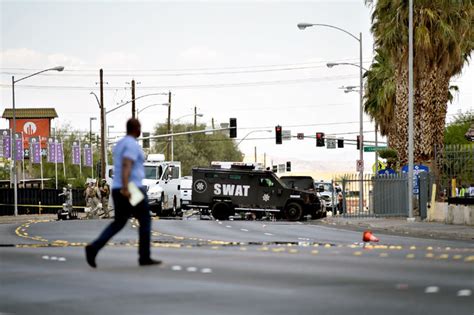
(240, 59)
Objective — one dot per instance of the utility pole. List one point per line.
(133, 98)
(195, 117)
(213, 124)
(169, 127)
(255, 154)
(102, 127)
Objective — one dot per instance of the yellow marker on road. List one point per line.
(410, 256)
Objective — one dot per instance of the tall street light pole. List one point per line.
(15, 179)
(349, 89)
(248, 134)
(360, 163)
(410, 112)
(160, 104)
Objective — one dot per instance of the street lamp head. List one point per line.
(93, 118)
(199, 115)
(58, 68)
(302, 26)
(331, 64)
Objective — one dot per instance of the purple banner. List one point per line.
(6, 143)
(76, 153)
(51, 151)
(35, 150)
(59, 152)
(88, 155)
(19, 146)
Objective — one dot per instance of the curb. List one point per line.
(401, 230)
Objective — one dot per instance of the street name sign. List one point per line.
(373, 149)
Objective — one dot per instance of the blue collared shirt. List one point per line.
(128, 147)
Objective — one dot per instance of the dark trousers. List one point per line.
(123, 211)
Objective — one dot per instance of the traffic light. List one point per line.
(233, 127)
(275, 168)
(340, 143)
(278, 134)
(146, 142)
(288, 166)
(320, 139)
(358, 142)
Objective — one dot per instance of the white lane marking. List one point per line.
(244, 230)
(303, 239)
(61, 259)
(191, 269)
(299, 223)
(176, 268)
(228, 226)
(219, 222)
(269, 234)
(206, 270)
(432, 289)
(465, 292)
(45, 257)
(54, 258)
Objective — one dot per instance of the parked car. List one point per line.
(186, 190)
(327, 194)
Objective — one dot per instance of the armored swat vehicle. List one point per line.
(244, 189)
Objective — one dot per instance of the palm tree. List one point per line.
(443, 42)
(380, 92)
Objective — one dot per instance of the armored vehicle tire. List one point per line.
(221, 211)
(293, 211)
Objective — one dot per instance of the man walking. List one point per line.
(128, 168)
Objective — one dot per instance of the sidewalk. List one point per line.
(402, 226)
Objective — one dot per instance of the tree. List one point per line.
(197, 149)
(443, 42)
(380, 92)
(455, 131)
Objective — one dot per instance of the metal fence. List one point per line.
(35, 201)
(455, 166)
(352, 185)
(384, 195)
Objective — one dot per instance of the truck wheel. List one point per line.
(221, 211)
(293, 211)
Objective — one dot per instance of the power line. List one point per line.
(195, 69)
(190, 86)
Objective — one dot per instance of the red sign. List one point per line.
(33, 128)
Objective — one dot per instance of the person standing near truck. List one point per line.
(104, 197)
(128, 168)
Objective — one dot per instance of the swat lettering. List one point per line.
(231, 190)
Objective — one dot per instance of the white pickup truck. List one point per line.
(162, 180)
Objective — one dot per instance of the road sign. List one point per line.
(300, 136)
(331, 144)
(373, 149)
(286, 134)
(360, 165)
(381, 165)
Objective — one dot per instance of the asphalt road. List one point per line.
(231, 267)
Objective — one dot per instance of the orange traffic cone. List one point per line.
(369, 237)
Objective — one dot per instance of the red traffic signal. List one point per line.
(320, 139)
(278, 134)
